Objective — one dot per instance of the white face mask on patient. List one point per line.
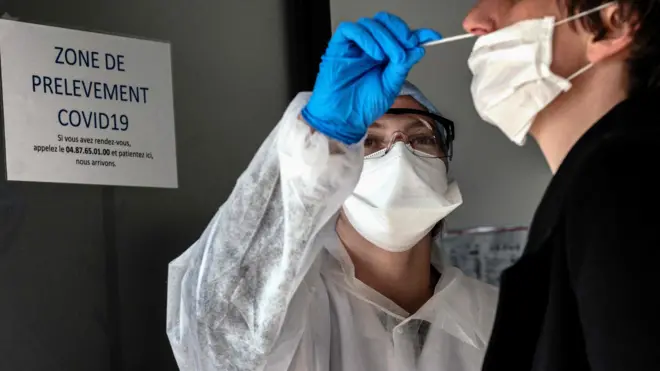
(400, 197)
(512, 81)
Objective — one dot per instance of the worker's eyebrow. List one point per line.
(411, 122)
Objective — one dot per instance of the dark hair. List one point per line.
(644, 16)
(437, 229)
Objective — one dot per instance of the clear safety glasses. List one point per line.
(424, 133)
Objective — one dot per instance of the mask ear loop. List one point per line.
(584, 13)
(578, 16)
(580, 71)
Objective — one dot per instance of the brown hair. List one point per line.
(644, 16)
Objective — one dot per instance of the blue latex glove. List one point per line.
(361, 74)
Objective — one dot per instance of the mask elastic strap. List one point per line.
(577, 16)
(580, 71)
(586, 12)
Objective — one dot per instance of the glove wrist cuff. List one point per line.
(330, 129)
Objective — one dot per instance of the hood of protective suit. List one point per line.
(413, 91)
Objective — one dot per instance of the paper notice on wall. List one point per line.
(86, 108)
(483, 253)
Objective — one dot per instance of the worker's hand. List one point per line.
(361, 74)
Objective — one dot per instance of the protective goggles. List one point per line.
(430, 135)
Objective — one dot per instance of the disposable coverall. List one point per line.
(269, 286)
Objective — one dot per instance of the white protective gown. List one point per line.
(268, 286)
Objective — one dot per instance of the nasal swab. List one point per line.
(557, 23)
(449, 39)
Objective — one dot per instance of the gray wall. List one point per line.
(53, 311)
(230, 85)
(501, 183)
(230, 88)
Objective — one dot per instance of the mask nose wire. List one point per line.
(397, 136)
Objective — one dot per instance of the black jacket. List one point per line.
(585, 295)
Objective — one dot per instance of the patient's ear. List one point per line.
(618, 35)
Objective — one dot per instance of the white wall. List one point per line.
(501, 183)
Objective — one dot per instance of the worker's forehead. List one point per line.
(405, 122)
(406, 101)
(390, 123)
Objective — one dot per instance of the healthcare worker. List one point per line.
(583, 78)
(322, 257)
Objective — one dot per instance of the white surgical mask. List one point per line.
(512, 81)
(400, 197)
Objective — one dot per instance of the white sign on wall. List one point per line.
(485, 252)
(86, 108)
